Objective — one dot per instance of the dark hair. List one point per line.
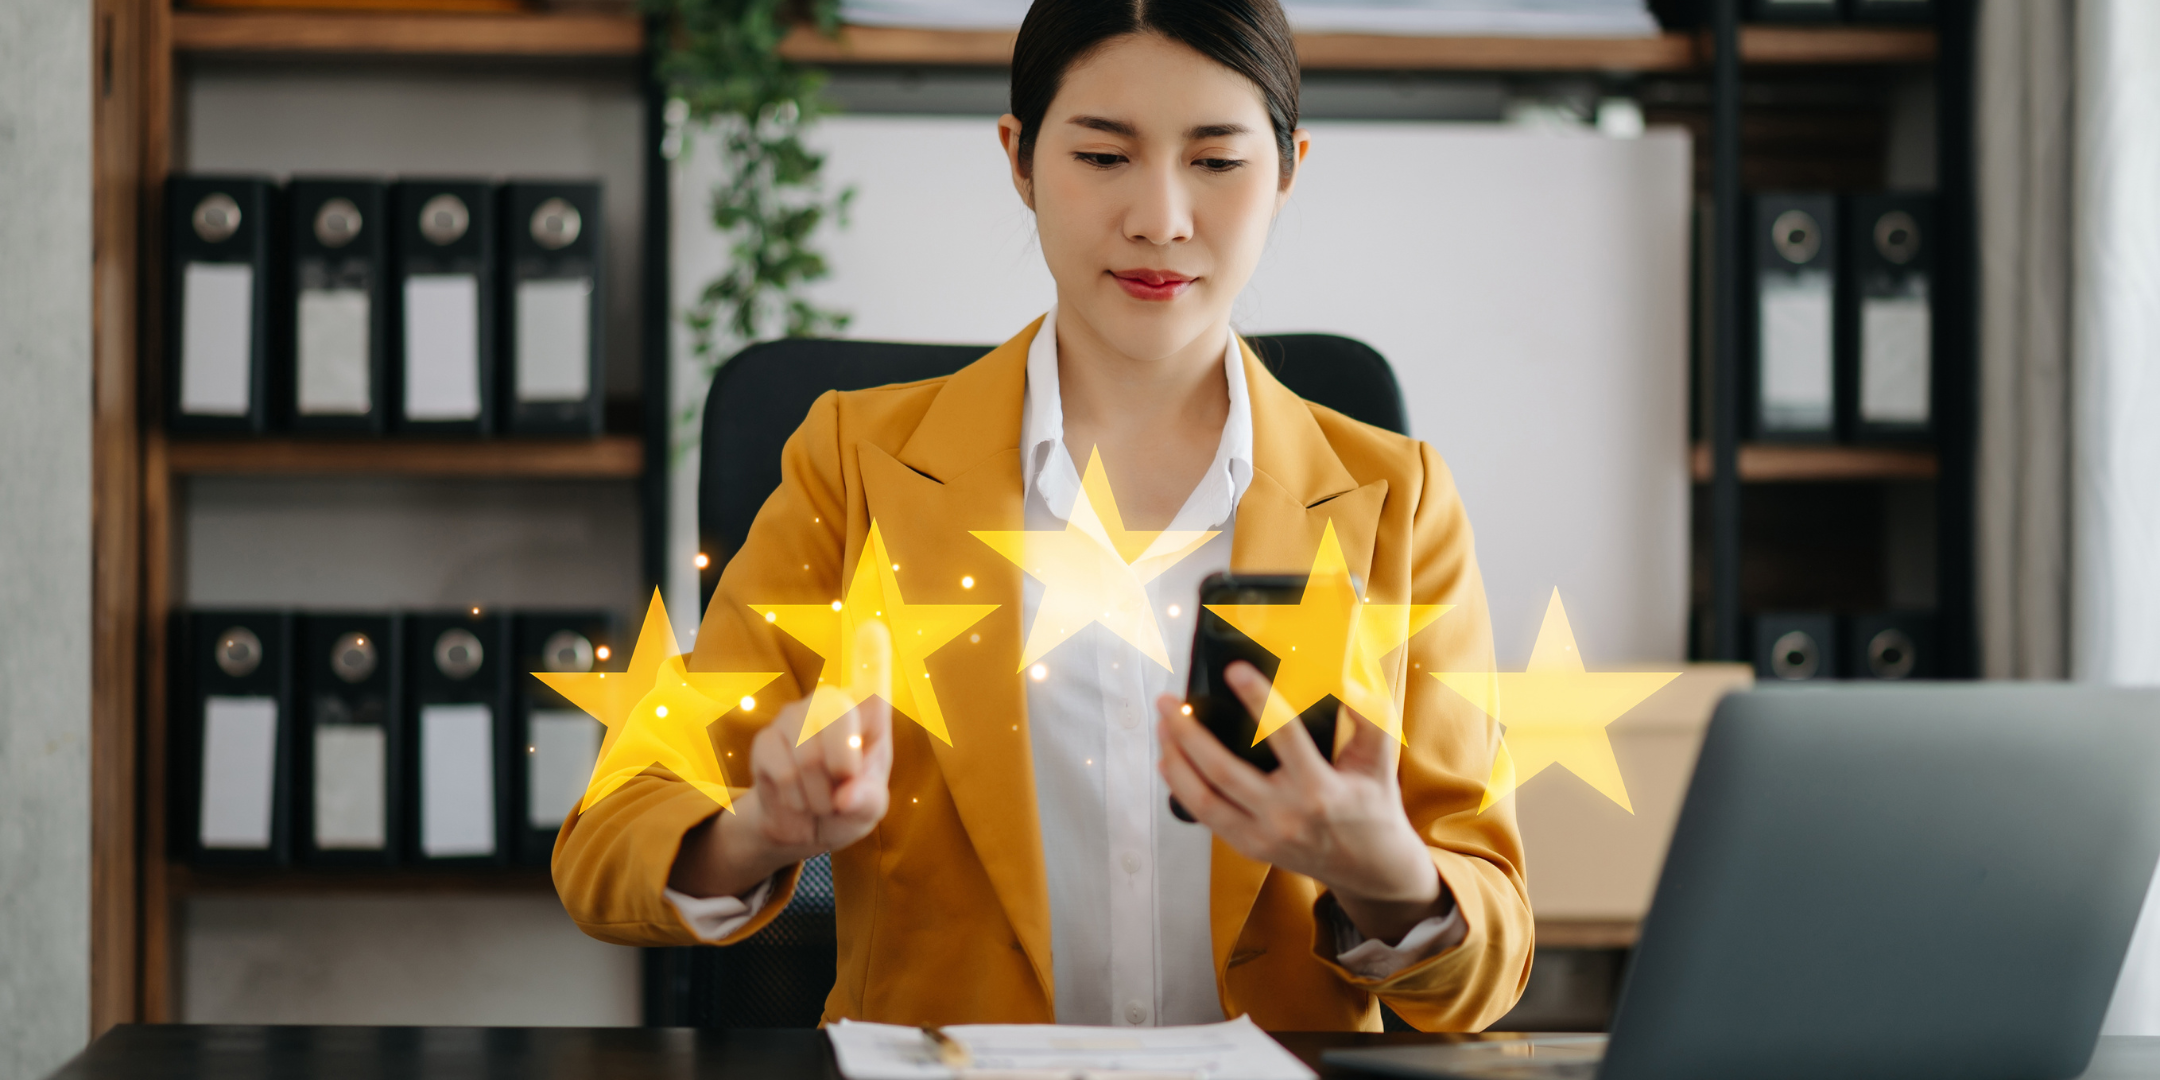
(1250, 37)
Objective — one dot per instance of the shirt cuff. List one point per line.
(715, 917)
(1371, 958)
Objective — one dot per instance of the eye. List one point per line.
(1219, 165)
(1099, 159)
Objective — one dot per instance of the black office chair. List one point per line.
(780, 976)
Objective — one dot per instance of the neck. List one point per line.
(1115, 396)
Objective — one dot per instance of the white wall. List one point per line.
(1529, 287)
(44, 534)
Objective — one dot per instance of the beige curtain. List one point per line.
(2022, 137)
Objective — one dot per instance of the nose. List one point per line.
(1161, 212)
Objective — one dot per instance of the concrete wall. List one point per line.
(44, 534)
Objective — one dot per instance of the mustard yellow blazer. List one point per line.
(943, 915)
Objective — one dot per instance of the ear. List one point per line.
(1009, 138)
(1301, 141)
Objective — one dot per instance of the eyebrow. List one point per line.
(1120, 127)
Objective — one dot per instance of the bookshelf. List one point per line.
(554, 34)
(619, 457)
(1667, 52)
(1769, 463)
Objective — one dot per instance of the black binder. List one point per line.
(445, 254)
(1793, 317)
(557, 743)
(1795, 646)
(221, 246)
(339, 347)
(232, 778)
(553, 309)
(456, 739)
(1890, 645)
(345, 775)
(1793, 10)
(1890, 11)
(1887, 318)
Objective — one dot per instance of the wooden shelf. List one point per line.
(1587, 933)
(185, 880)
(1769, 463)
(1672, 51)
(607, 457)
(569, 34)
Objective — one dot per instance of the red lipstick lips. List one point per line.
(1151, 284)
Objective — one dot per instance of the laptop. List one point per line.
(1877, 882)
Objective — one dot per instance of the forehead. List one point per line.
(1156, 85)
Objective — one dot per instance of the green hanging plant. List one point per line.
(720, 61)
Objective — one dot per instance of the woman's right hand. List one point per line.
(821, 794)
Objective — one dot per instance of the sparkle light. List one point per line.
(660, 710)
(771, 617)
(748, 703)
(1038, 673)
(967, 581)
(1186, 709)
(702, 560)
(601, 652)
(854, 742)
(1176, 611)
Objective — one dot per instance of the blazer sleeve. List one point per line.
(1444, 768)
(611, 864)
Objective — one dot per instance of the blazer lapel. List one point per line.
(960, 471)
(1299, 485)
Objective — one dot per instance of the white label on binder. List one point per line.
(217, 317)
(239, 772)
(350, 762)
(1894, 350)
(442, 347)
(1796, 350)
(559, 763)
(334, 352)
(554, 339)
(457, 780)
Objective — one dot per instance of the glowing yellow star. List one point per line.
(917, 631)
(1330, 642)
(656, 712)
(1095, 570)
(1555, 713)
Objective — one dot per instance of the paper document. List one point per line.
(565, 744)
(217, 321)
(1894, 357)
(442, 347)
(333, 344)
(1237, 1050)
(351, 762)
(1796, 341)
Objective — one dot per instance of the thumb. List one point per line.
(1369, 751)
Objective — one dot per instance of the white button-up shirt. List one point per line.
(1129, 916)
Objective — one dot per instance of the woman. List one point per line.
(1023, 866)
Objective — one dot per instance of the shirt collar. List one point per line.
(1047, 466)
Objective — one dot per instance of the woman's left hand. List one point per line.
(1341, 824)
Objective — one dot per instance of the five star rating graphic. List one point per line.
(1095, 570)
(1330, 642)
(1555, 713)
(874, 642)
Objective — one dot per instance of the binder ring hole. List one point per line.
(457, 653)
(1890, 654)
(1795, 656)
(444, 219)
(337, 223)
(1897, 237)
(239, 652)
(1796, 236)
(216, 218)
(352, 658)
(556, 224)
(567, 650)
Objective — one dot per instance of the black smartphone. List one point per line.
(1217, 644)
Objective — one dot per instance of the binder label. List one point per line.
(559, 763)
(217, 314)
(1894, 351)
(239, 772)
(1796, 353)
(442, 347)
(334, 352)
(554, 339)
(350, 765)
(457, 781)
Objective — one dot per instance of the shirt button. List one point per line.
(1132, 863)
(1135, 1013)
(1128, 717)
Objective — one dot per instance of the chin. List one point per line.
(1148, 329)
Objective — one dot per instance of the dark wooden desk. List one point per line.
(193, 1052)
